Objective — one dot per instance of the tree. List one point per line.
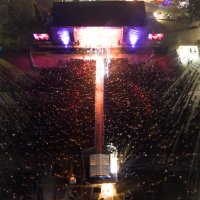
(194, 9)
(21, 22)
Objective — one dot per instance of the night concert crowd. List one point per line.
(150, 116)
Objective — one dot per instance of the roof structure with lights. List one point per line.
(94, 24)
(99, 13)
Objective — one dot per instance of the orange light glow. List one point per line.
(107, 190)
(99, 96)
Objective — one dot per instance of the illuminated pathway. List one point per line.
(99, 104)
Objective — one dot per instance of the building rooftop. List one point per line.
(99, 13)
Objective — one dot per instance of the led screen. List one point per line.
(98, 36)
(99, 165)
(41, 36)
(155, 36)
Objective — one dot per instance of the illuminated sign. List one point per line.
(155, 36)
(41, 36)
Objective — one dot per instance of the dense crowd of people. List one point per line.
(150, 117)
(150, 111)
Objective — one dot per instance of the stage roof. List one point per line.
(99, 13)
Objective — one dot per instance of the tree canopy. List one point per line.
(194, 6)
(21, 21)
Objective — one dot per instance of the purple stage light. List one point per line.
(133, 36)
(64, 36)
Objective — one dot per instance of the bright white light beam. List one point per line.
(107, 190)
